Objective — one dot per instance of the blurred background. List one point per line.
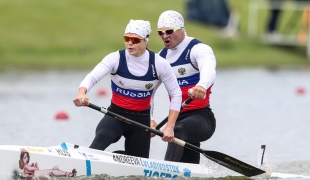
(77, 34)
(260, 96)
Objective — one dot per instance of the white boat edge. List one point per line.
(288, 176)
(88, 162)
(262, 156)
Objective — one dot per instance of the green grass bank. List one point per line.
(77, 34)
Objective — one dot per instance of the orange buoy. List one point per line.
(101, 92)
(62, 115)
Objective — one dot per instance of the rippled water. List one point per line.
(252, 107)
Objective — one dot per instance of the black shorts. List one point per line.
(192, 127)
(110, 130)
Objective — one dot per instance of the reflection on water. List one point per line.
(252, 107)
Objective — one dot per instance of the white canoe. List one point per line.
(88, 162)
(66, 157)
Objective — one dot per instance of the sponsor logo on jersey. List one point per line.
(153, 70)
(182, 71)
(121, 82)
(187, 54)
(148, 86)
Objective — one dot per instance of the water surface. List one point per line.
(252, 107)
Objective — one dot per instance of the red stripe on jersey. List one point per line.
(196, 103)
(131, 103)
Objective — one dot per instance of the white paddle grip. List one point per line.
(179, 141)
(85, 101)
(190, 91)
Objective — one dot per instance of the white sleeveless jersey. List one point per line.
(130, 91)
(137, 85)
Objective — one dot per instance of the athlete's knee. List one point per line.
(107, 135)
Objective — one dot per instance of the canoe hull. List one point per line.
(57, 160)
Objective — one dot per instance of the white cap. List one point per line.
(139, 27)
(170, 18)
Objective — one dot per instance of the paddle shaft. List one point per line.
(163, 122)
(119, 117)
(220, 158)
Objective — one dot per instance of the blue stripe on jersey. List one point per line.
(185, 59)
(190, 80)
(123, 71)
(130, 93)
(185, 56)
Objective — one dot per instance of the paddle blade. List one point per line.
(232, 163)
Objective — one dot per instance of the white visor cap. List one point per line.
(139, 27)
(170, 18)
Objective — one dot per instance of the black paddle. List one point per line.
(163, 122)
(220, 158)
